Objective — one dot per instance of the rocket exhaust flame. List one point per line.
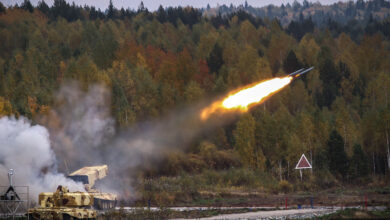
(255, 94)
(244, 98)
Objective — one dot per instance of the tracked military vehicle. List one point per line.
(88, 176)
(63, 205)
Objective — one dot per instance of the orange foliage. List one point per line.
(154, 58)
(128, 51)
(203, 77)
(15, 15)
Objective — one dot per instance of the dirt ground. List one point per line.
(294, 213)
(337, 198)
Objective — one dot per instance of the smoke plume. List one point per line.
(80, 125)
(26, 149)
(82, 133)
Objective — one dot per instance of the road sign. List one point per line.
(303, 163)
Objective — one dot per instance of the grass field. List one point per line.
(358, 214)
(243, 187)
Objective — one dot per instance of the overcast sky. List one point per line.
(153, 4)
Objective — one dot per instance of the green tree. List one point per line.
(193, 92)
(247, 65)
(215, 60)
(105, 45)
(26, 5)
(306, 132)
(122, 86)
(111, 11)
(291, 63)
(307, 50)
(377, 115)
(43, 7)
(359, 162)
(245, 143)
(206, 44)
(279, 45)
(337, 157)
(331, 82)
(2, 8)
(345, 124)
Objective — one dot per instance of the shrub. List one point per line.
(324, 179)
(284, 186)
(179, 162)
(218, 159)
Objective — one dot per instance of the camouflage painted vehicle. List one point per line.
(88, 176)
(63, 204)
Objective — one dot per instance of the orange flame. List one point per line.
(244, 98)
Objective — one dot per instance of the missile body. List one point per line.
(300, 72)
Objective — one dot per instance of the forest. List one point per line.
(154, 62)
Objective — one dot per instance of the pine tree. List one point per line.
(27, 6)
(111, 11)
(141, 7)
(2, 8)
(291, 63)
(43, 7)
(215, 60)
(161, 15)
(359, 162)
(337, 157)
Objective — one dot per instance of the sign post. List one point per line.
(303, 163)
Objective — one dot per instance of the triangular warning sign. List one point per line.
(303, 163)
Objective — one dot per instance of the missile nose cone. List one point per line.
(301, 72)
(296, 72)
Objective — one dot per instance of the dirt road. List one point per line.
(291, 214)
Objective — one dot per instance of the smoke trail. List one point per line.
(26, 149)
(135, 150)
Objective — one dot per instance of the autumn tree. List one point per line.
(5, 107)
(245, 144)
(307, 50)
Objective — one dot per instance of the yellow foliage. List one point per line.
(5, 107)
(284, 186)
(32, 105)
(141, 62)
(44, 110)
(307, 50)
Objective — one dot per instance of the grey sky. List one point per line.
(153, 4)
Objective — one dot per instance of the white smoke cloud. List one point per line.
(84, 125)
(26, 149)
(85, 115)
